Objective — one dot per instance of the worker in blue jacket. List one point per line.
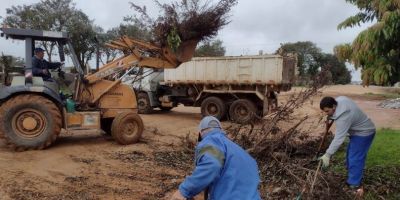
(223, 168)
(40, 66)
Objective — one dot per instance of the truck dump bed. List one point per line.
(235, 70)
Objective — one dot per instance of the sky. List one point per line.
(255, 24)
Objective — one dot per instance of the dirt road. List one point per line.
(89, 165)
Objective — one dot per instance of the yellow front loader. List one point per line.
(33, 111)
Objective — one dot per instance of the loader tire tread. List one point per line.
(41, 104)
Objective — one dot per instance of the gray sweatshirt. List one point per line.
(349, 118)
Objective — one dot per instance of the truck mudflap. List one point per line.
(7, 92)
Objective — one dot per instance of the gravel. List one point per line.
(391, 103)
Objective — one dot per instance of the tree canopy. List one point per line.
(375, 50)
(311, 60)
(56, 15)
(210, 48)
(131, 26)
(338, 70)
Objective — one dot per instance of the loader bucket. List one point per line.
(186, 50)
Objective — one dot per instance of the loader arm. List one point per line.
(136, 54)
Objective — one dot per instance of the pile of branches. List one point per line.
(186, 20)
(286, 153)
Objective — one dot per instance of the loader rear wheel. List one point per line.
(242, 111)
(144, 106)
(29, 121)
(127, 128)
(213, 106)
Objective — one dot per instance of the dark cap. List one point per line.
(38, 50)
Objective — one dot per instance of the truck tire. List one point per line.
(29, 121)
(213, 106)
(144, 106)
(127, 128)
(242, 111)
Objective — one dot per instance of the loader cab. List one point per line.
(31, 37)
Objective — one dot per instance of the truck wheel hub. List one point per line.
(242, 111)
(212, 109)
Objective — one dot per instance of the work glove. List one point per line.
(325, 160)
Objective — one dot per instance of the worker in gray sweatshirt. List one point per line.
(350, 120)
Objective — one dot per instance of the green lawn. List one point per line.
(385, 149)
(382, 173)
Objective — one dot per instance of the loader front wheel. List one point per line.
(29, 121)
(127, 128)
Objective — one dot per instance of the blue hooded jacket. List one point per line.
(223, 166)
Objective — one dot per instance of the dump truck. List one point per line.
(34, 111)
(239, 88)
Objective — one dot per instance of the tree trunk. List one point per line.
(97, 58)
(3, 75)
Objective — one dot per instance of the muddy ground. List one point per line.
(90, 165)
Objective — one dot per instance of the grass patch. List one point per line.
(383, 96)
(385, 149)
(381, 177)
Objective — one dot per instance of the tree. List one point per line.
(134, 30)
(311, 60)
(309, 57)
(130, 28)
(55, 15)
(375, 50)
(339, 72)
(107, 54)
(81, 31)
(46, 15)
(209, 48)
